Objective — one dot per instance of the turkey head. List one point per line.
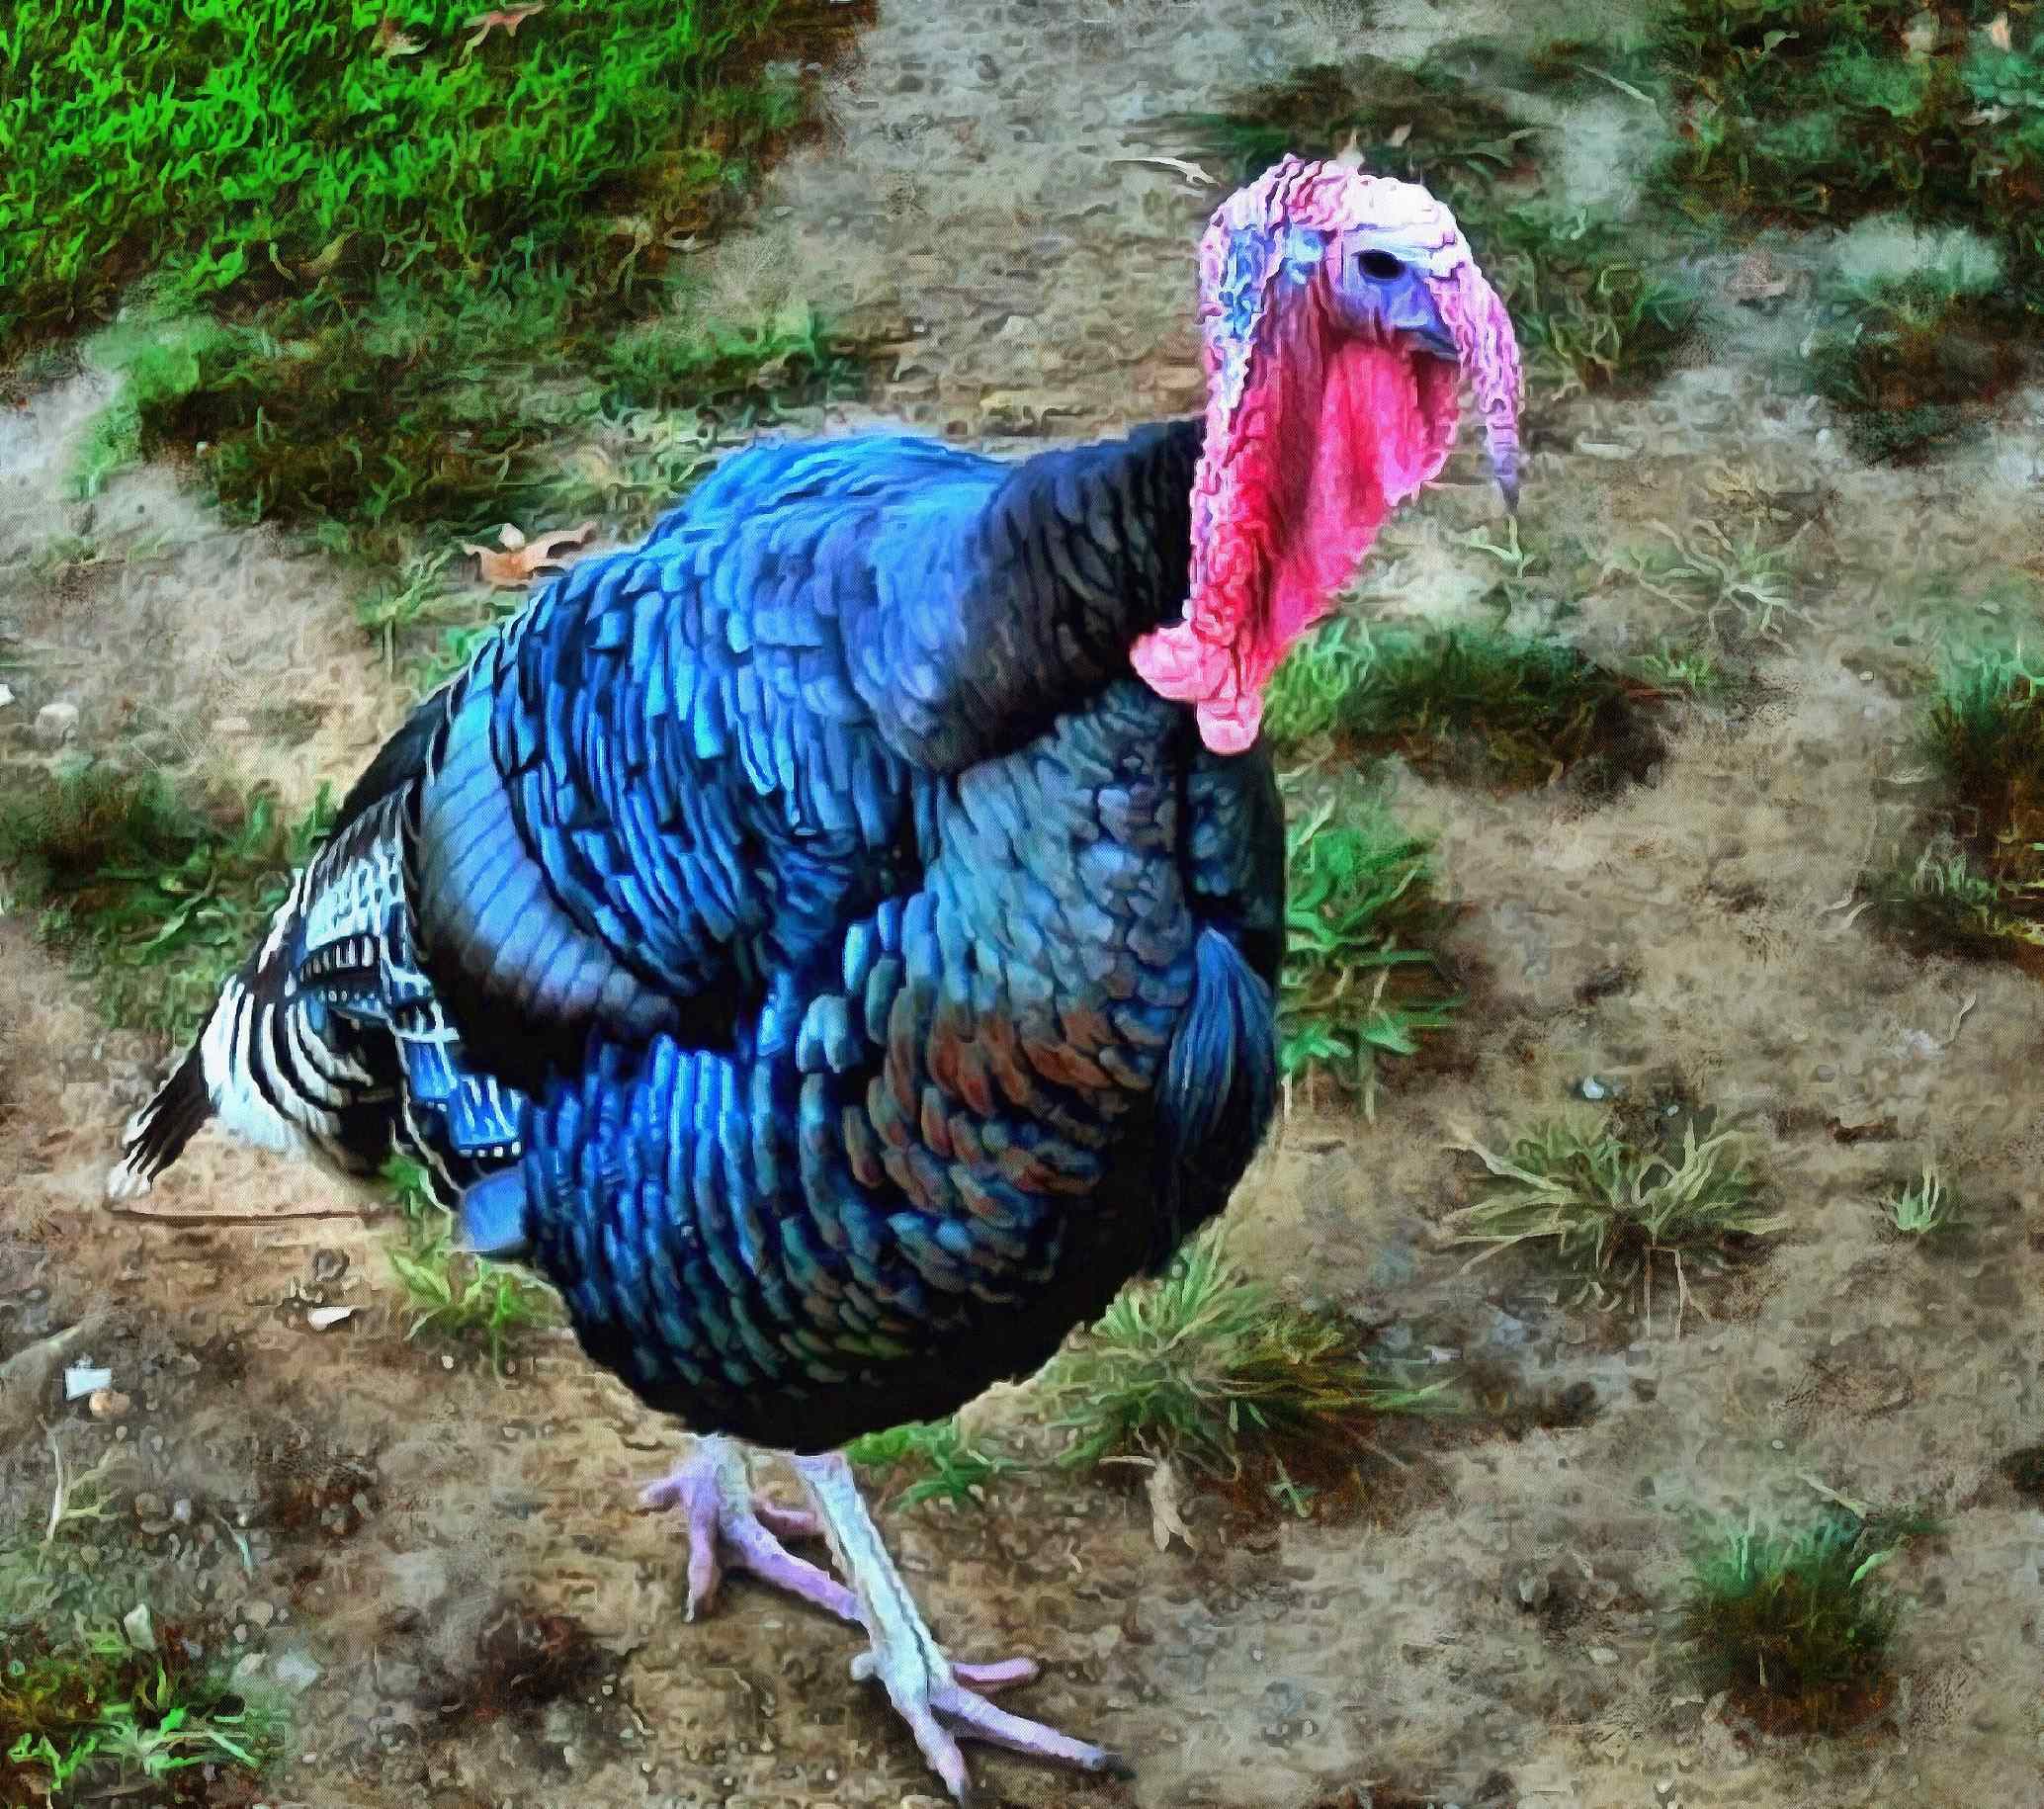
(1341, 313)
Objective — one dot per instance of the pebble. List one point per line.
(1603, 1655)
(6, 696)
(56, 724)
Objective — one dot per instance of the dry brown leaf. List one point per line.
(390, 41)
(1165, 1521)
(510, 18)
(1180, 166)
(1998, 33)
(1398, 135)
(522, 560)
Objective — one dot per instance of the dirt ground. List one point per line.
(401, 1512)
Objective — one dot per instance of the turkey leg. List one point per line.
(920, 1681)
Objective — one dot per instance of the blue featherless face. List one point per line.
(759, 736)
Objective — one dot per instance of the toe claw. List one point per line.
(997, 1674)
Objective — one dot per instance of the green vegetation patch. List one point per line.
(1795, 1623)
(454, 1294)
(1804, 112)
(1361, 977)
(158, 896)
(99, 1697)
(1912, 362)
(1210, 1368)
(415, 243)
(1594, 307)
(98, 1710)
(1607, 1205)
(1472, 704)
(1926, 1208)
(1977, 884)
(935, 1460)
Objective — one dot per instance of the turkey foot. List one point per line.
(729, 1526)
(927, 1688)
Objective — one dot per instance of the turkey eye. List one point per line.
(1379, 263)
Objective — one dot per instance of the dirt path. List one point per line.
(390, 1504)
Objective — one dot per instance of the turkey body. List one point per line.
(800, 936)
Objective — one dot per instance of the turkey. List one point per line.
(834, 940)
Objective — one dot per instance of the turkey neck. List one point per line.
(1079, 554)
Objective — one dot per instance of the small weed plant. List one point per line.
(1207, 1366)
(1606, 1208)
(1977, 882)
(1926, 1208)
(1360, 979)
(454, 1294)
(1796, 1624)
(942, 1463)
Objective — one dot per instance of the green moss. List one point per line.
(158, 896)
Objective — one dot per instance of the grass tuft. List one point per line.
(1207, 1366)
(157, 897)
(1477, 706)
(1977, 885)
(1913, 361)
(1794, 1624)
(1607, 1207)
(454, 1294)
(1360, 979)
(1925, 1208)
(1747, 578)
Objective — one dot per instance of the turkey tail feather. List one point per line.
(157, 1134)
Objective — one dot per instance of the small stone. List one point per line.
(1602, 1655)
(56, 724)
(259, 1613)
(6, 696)
(106, 1403)
(141, 1635)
